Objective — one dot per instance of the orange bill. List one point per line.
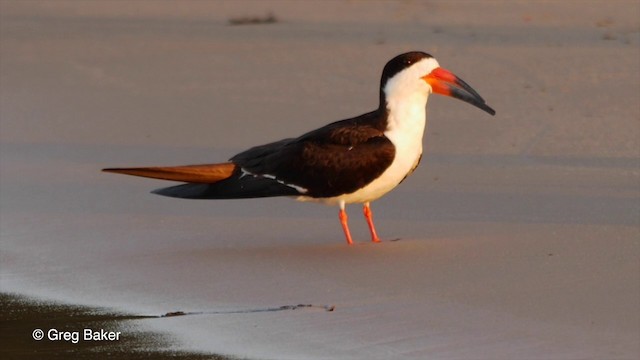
(444, 82)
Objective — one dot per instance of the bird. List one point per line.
(351, 161)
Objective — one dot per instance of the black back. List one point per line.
(337, 159)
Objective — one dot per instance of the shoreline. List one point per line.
(81, 332)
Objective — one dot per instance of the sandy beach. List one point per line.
(519, 234)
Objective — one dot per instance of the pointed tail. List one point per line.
(206, 174)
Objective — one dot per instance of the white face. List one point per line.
(409, 83)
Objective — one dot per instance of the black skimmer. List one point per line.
(356, 160)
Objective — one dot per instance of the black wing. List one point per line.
(238, 186)
(337, 159)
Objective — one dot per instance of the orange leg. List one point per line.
(369, 216)
(345, 227)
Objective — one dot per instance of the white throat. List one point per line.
(406, 95)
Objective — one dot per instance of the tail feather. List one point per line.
(236, 187)
(206, 174)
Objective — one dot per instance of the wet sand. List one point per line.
(21, 316)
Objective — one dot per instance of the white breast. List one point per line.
(406, 128)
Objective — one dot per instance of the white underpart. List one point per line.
(406, 95)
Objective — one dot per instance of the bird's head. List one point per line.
(418, 74)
